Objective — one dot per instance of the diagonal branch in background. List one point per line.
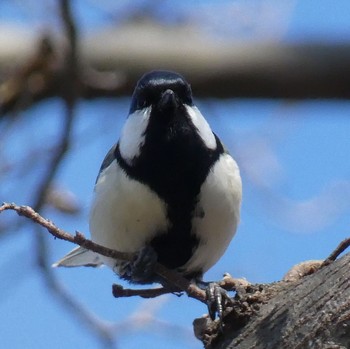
(66, 84)
(31, 82)
(46, 74)
(176, 280)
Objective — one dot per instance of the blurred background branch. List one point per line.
(290, 71)
(69, 92)
(215, 69)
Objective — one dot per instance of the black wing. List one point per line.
(107, 161)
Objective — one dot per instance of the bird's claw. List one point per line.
(141, 269)
(217, 299)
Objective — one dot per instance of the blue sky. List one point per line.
(294, 159)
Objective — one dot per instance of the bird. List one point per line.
(167, 190)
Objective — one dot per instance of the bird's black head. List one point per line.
(161, 89)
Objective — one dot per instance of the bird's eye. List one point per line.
(186, 96)
(188, 100)
(141, 103)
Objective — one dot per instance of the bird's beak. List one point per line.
(168, 101)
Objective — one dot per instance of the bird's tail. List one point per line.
(80, 257)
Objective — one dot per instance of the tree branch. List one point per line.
(176, 280)
(312, 312)
(224, 71)
(335, 254)
(120, 292)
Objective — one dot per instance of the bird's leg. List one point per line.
(217, 298)
(141, 269)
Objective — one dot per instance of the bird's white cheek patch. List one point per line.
(133, 134)
(202, 126)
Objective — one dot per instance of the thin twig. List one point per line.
(78, 239)
(171, 277)
(335, 254)
(119, 292)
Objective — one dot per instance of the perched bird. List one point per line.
(168, 189)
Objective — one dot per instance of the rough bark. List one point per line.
(312, 312)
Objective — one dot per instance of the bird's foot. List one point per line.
(217, 298)
(141, 269)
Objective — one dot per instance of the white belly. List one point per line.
(219, 200)
(125, 214)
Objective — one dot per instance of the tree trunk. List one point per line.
(312, 312)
